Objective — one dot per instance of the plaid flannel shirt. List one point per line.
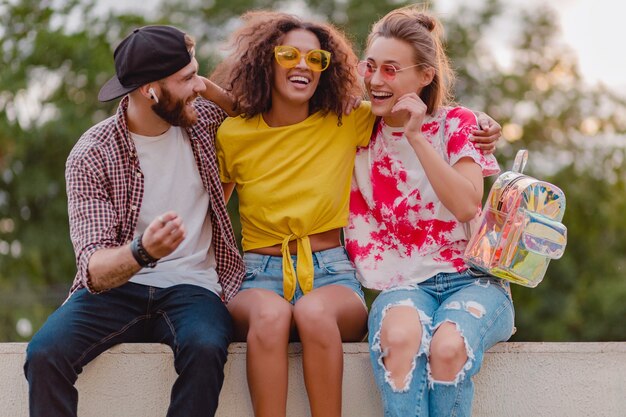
(105, 187)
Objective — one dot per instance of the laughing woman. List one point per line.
(414, 185)
(291, 157)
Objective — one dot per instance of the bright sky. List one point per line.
(595, 29)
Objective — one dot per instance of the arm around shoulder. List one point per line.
(219, 96)
(486, 136)
(228, 190)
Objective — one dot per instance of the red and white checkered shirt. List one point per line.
(105, 188)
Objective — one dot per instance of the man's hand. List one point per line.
(164, 235)
(487, 134)
(112, 267)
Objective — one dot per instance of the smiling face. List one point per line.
(385, 92)
(295, 86)
(177, 94)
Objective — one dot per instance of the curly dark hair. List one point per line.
(248, 71)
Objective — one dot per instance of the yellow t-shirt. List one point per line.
(292, 181)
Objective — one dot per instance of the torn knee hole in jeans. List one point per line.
(466, 366)
(473, 307)
(384, 352)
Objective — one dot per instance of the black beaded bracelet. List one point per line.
(141, 255)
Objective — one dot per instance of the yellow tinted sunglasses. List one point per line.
(289, 56)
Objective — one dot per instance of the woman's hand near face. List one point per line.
(415, 111)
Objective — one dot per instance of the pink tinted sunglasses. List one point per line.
(366, 69)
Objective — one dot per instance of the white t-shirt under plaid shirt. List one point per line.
(105, 188)
(399, 233)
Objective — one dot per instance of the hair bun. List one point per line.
(427, 21)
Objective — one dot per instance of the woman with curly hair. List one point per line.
(290, 156)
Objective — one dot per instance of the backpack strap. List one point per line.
(520, 161)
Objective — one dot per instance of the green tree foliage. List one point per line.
(582, 296)
(55, 55)
(549, 110)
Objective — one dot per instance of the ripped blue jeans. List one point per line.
(481, 308)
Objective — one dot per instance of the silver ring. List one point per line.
(163, 222)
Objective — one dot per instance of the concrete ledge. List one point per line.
(517, 379)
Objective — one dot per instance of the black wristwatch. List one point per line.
(141, 255)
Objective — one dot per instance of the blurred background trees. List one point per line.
(55, 55)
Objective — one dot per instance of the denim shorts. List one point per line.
(330, 267)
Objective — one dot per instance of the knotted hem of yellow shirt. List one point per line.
(304, 266)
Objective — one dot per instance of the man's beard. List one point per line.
(173, 112)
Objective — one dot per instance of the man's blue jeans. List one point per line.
(192, 320)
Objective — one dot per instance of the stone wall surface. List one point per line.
(516, 380)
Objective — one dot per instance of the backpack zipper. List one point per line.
(506, 188)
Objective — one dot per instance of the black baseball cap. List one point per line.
(148, 54)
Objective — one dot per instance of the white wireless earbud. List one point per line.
(153, 95)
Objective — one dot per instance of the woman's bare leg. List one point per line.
(324, 318)
(264, 320)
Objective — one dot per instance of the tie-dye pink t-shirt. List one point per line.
(399, 233)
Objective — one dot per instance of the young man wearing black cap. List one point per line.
(154, 246)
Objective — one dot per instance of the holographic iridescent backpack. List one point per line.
(520, 228)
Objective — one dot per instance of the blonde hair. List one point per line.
(424, 33)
